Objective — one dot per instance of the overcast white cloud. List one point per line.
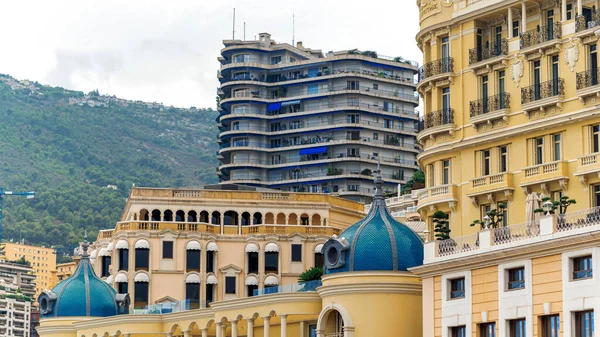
(166, 51)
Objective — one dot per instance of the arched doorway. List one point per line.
(335, 320)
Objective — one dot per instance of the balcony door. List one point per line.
(479, 44)
(484, 93)
(445, 54)
(498, 42)
(501, 87)
(587, 14)
(593, 60)
(550, 24)
(536, 79)
(445, 102)
(555, 75)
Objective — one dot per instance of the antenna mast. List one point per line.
(233, 38)
(293, 29)
(244, 30)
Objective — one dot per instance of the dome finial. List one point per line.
(378, 181)
(85, 245)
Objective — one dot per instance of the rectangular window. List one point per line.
(596, 196)
(487, 330)
(445, 99)
(252, 263)
(140, 298)
(503, 165)
(516, 328)
(319, 260)
(515, 28)
(555, 75)
(210, 261)
(352, 85)
(569, 11)
(353, 101)
(230, 284)
(457, 288)
(123, 259)
(353, 119)
(313, 88)
(275, 59)
(584, 323)
(557, 141)
(582, 267)
(142, 257)
(551, 326)
(539, 150)
(593, 63)
(484, 210)
(271, 262)
(192, 260)
(296, 253)
(595, 138)
(458, 331)
(446, 171)
(167, 251)
(484, 93)
(192, 294)
(250, 289)
(486, 162)
(388, 123)
(122, 288)
(516, 278)
(388, 106)
(241, 58)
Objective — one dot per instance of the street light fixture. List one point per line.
(487, 221)
(547, 207)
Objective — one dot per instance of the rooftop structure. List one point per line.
(300, 120)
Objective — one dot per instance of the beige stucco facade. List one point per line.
(42, 260)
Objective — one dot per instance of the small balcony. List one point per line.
(501, 182)
(436, 70)
(587, 83)
(436, 122)
(588, 164)
(541, 37)
(488, 54)
(584, 25)
(543, 95)
(488, 109)
(432, 196)
(545, 173)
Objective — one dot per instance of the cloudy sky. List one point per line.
(165, 51)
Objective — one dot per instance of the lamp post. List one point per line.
(487, 221)
(547, 207)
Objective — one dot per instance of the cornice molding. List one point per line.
(252, 302)
(370, 288)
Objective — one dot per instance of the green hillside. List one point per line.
(69, 146)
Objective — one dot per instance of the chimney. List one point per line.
(299, 45)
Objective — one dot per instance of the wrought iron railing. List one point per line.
(436, 118)
(588, 78)
(490, 103)
(582, 23)
(493, 49)
(541, 34)
(543, 90)
(437, 67)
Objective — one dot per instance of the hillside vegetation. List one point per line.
(69, 147)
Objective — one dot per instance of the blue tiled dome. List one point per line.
(377, 242)
(83, 294)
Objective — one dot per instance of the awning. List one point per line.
(251, 280)
(109, 279)
(103, 252)
(274, 106)
(314, 150)
(296, 101)
(192, 278)
(121, 278)
(193, 245)
(122, 244)
(212, 247)
(252, 248)
(271, 247)
(271, 281)
(141, 277)
(319, 248)
(111, 246)
(211, 279)
(142, 244)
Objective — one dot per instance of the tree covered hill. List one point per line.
(69, 147)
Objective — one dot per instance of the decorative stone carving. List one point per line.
(516, 70)
(572, 55)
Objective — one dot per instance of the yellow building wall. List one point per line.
(547, 288)
(42, 260)
(485, 295)
(437, 286)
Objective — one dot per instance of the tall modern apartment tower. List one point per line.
(296, 119)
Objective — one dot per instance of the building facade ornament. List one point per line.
(516, 70)
(572, 54)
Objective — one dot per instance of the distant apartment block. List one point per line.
(17, 286)
(300, 120)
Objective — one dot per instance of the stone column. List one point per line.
(250, 327)
(267, 325)
(251, 220)
(186, 334)
(563, 10)
(283, 325)
(579, 7)
(234, 328)
(287, 219)
(320, 333)
(523, 17)
(204, 332)
(219, 329)
(222, 227)
(510, 23)
(223, 328)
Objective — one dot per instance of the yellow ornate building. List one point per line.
(234, 273)
(510, 92)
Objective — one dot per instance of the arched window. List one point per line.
(144, 216)
(122, 248)
(105, 262)
(142, 255)
(192, 290)
(180, 216)
(155, 215)
(193, 250)
(271, 258)
(192, 216)
(316, 220)
(319, 259)
(293, 219)
(304, 219)
(121, 282)
(211, 288)
(230, 218)
(168, 215)
(140, 291)
(252, 258)
(251, 285)
(216, 218)
(280, 219)
(204, 217)
(257, 219)
(211, 256)
(245, 219)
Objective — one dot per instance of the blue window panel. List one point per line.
(314, 150)
(313, 88)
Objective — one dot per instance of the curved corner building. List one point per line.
(295, 119)
(510, 91)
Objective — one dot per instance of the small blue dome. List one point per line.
(83, 294)
(377, 242)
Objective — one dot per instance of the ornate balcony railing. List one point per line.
(582, 23)
(542, 90)
(496, 48)
(437, 67)
(491, 103)
(541, 34)
(588, 78)
(436, 118)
